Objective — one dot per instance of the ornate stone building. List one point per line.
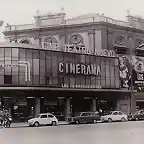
(94, 32)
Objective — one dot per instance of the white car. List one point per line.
(43, 119)
(114, 116)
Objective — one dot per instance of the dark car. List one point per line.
(138, 115)
(84, 117)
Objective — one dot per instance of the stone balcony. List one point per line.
(78, 20)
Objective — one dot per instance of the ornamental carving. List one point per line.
(76, 39)
(138, 42)
(119, 40)
(50, 40)
(25, 41)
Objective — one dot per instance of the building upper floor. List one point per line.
(92, 31)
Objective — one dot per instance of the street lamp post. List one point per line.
(130, 53)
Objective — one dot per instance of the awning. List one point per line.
(61, 89)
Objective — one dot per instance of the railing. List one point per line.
(19, 27)
(97, 18)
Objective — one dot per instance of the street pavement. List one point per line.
(102, 133)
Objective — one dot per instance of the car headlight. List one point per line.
(30, 121)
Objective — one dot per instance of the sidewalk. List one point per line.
(25, 124)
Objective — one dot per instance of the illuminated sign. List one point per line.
(70, 68)
(81, 49)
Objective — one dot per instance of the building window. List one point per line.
(120, 50)
(7, 79)
(25, 41)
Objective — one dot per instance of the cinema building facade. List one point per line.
(34, 80)
(63, 68)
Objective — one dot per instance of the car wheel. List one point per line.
(36, 124)
(123, 119)
(77, 122)
(53, 123)
(109, 120)
(94, 121)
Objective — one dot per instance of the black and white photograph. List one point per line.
(71, 72)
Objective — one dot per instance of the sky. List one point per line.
(21, 12)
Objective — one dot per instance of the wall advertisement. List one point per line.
(131, 69)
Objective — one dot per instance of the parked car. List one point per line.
(138, 115)
(84, 117)
(43, 119)
(59, 116)
(114, 116)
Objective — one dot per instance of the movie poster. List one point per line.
(124, 69)
(131, 68)
(138, 71)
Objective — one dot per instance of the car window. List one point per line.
(84, 114)
(115, 113)
(90, 114)
(142, 111)
(43, 116)
(38, 116)
(50, 116)
(120, 113)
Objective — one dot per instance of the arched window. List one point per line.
(25, 41)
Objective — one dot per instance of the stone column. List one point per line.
(67, 107)
(37, 106)
(94, 105)
(133, 103)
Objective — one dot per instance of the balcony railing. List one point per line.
(97, 18)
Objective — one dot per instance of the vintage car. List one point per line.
(114, 116)
(43, 119)
(138, 115)
(84, 117)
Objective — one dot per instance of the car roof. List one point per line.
(116, 111)
(45, 113)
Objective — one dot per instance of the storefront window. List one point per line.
(15, 68)
(29, 53)
(15, 52)
(42, 67)
(1, 53)
(42, 80)
(7, 52)
(22, 53)
(1, 79)
(36, 79)
(22, 70)
(7, 68)
(35, 54)
(14, 79)
(54, 66)
(42, 55)
(7, 79)
(36, 66)
(22, 79)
